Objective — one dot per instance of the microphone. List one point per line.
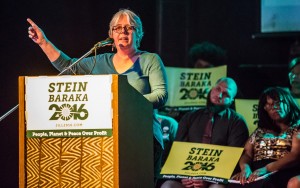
(105, 42)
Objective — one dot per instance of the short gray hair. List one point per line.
(134, 21)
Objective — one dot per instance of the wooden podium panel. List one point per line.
(124, 159)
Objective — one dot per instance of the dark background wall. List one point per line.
(171, 28)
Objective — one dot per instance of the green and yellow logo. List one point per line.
(203, 159)
(67, 112)
(68, 92)
(199, 166)
(194, 85)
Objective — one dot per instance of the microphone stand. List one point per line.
(96, 46)
(9, 112)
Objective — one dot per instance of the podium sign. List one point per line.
(207, 162)
(66, 119)
(68, 106)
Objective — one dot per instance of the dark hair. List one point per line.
(284, 95)
(294, 62)
(206, 51)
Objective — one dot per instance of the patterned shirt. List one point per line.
(268, 145)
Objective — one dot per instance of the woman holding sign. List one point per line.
(271, 154)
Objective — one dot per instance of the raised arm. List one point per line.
(37, 35)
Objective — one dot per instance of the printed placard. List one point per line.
(189, 87)
(207, 162)
(248, 108)
(69, 106)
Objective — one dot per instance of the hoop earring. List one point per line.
(112, 47)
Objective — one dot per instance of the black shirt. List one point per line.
(229, 127)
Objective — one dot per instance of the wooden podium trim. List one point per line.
(115, 102)
(32, 156)
(21, 131)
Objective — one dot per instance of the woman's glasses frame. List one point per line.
(120, 29)
(269, 106)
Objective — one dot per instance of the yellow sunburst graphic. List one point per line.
(197, 166)
(66, 110)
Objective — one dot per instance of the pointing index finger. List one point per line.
(31, 22)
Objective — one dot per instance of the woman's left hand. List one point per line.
(257, 173)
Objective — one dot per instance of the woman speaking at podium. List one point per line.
(145, 71)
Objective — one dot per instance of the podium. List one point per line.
(124, 159)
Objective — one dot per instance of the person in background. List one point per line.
(215, 124)
(294, 76)
(202, 55)
(145, 71)
(206, 55)
(275, 145)
(169, 127)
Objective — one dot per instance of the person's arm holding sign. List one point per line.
(289, 160)
(193, 183)
(244, 163)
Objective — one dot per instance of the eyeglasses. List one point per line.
(269, 106)
(294, 75)
(127, 28)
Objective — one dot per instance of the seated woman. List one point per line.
(275, 145)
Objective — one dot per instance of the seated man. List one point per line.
(216, 124)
